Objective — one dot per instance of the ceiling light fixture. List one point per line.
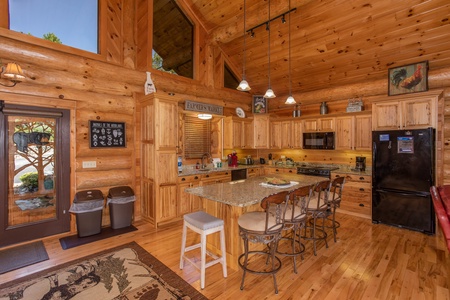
(13, 72)
(243, 85)
(204, 116)
(290, 99)
(269, 93)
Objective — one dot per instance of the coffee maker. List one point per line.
(360, 163)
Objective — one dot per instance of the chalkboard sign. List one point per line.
(106, 134)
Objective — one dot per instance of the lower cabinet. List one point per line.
(188, 203)
(356, 195)
(253, 172)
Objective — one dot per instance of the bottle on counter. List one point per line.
(180, 164)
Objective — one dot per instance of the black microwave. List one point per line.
(318, 140)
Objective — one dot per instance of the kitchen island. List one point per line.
(228, 201)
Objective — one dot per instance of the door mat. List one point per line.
(21, 256)
(124, 272)
(106, 232)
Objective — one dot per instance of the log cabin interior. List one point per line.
(333, 53)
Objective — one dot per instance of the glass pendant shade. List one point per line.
(269, 93)
(243, 86)
(290, 100)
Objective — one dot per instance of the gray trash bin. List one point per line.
(88, 209)
(121, 203)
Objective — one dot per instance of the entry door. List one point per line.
(35, 172)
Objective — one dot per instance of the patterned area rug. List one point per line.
(125, 272)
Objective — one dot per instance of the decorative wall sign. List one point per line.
(408, 79)
(259, 105)
(203, 107)
(106, 134)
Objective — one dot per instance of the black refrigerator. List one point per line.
(402, 174)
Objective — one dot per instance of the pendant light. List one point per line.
(269, 92)
(290, 99)
(243, 86)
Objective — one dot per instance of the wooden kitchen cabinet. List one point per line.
(356, 195)
(409, 112)
(280, 170)
(238, 133)
(216, 177)
(297, 135)
(158, 116)
(363, 132)
(188, 203)
(275, 134)
(353, 132)
(261, 131)
(253, 172)
(320, 124)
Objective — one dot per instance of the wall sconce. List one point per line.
(204, 116)
(13, 72)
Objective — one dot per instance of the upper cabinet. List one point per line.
(409, 112)
(354, 132)
(238, 133)
(261, 131)
(320, 124)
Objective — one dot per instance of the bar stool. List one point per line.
(317, 209)
(203, 224)
(294, 221)
(263, 227)
(334, 201)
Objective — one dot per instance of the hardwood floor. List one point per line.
(367, 262)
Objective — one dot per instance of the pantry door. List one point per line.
(35, 172)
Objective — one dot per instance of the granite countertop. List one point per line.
(347, 169)
(250, 191)
(210, 169)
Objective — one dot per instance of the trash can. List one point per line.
(121, 203)
(88, 209)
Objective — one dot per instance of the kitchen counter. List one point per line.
(249, 191)
(228, 201)
(210, 169)
(346, 169)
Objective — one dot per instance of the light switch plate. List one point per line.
(89, 164)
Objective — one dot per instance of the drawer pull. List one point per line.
(361, 178)
(183, 179)
(361, 204)
(337, 176)
(196, 177)
(361, 189)
(290, 171)
(207, 176)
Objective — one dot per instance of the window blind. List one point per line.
(197, 137)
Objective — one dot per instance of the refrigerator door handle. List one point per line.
(374, 155)
(417, 194)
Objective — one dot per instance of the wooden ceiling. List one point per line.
(333, 42)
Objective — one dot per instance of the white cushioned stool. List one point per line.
(203, 224)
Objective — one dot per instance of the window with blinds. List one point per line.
(197, 137)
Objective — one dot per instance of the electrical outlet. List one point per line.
(89, 164)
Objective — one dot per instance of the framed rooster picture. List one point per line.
(408, 79)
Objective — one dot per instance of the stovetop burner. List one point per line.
(316, 170)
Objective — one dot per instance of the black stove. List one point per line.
(323, 171)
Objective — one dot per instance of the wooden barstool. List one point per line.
(317, 209)
(203, 224)
(337, 185)
(294, 221)
(263, 227)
